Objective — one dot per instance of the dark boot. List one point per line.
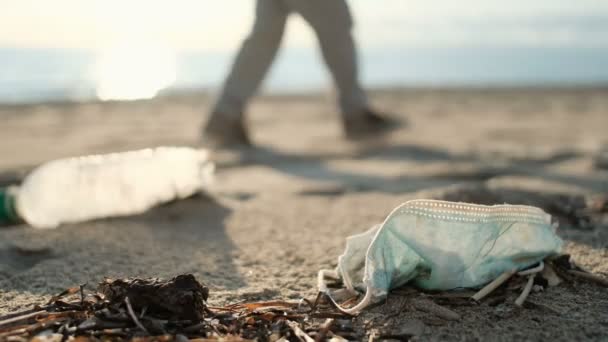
(225, 131)
(368, 124)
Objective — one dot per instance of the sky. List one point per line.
(140, 47)
(213, 25)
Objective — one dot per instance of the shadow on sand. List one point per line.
(188, 236)
(481, 168)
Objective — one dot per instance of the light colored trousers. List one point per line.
(332, 23)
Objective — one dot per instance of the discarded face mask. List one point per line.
(439, 245)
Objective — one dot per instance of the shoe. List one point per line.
(224, 131)
(368, 124)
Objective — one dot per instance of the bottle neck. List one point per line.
(8, 210)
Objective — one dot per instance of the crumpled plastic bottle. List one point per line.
(91, 187)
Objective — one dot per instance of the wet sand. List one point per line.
(279, 213)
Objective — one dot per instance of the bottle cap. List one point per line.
(8, 211)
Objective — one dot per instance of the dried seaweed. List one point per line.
(173, 310)
(177, 310)
(181, 298)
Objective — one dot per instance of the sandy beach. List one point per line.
(280, 212)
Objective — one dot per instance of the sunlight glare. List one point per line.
(132, 71)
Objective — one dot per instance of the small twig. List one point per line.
(299, 332)
(82, 293)
(19, 331)
(314, 305)
(110, 332)
(133, 317)
(324, 329)
(372, 337)
(220, 308)
(234, 305)
(49, 321)
(493, 285)
(67, 292)
(143, 311)
(524, 294)
(591, 277)
(307, 302)
(23, 317)
(21, 313)
(216, 330)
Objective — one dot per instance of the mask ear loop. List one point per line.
(322, 286)
(345, 277)
(367, 299)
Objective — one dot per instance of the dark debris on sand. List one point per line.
(173, 310)
(177, 310)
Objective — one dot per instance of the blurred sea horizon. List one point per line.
(31, 75)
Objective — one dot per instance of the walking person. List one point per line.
(332, 23)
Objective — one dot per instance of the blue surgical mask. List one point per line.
(439, 245)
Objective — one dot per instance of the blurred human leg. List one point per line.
(251, 64)
(333, 24)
